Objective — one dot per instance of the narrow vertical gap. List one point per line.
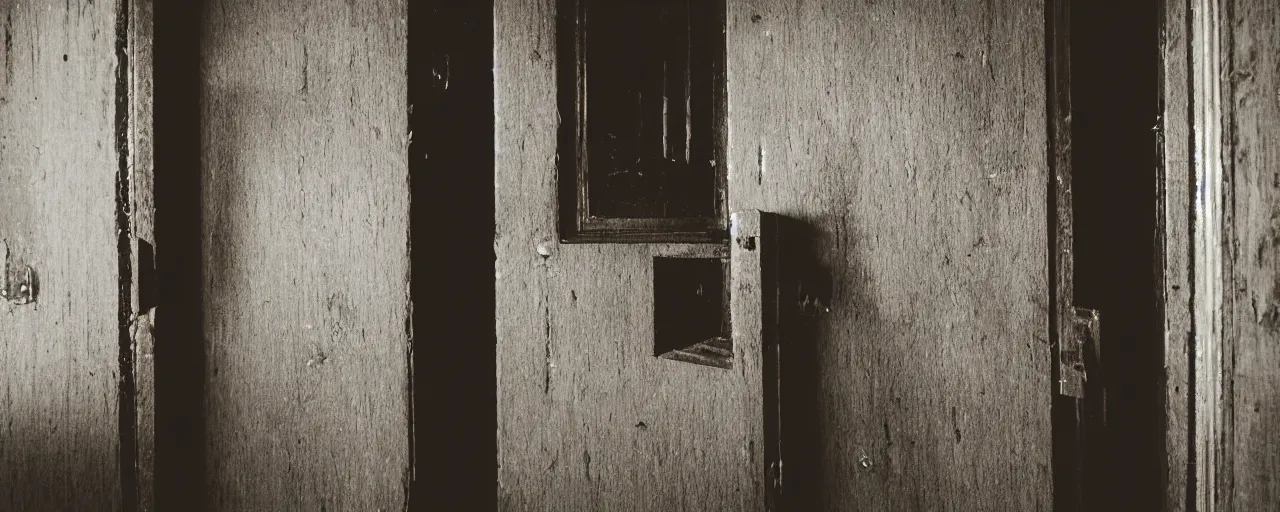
(180, 482)
(1115, 95)
(1065, 410)
(451, 164)
(124, 238)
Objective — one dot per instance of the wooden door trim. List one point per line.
(1191, 236)
(138, 430)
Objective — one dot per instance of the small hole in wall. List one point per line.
(691, 316)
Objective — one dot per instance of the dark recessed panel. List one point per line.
(691, 319)
(640, 86)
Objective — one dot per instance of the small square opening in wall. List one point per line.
(691, 311)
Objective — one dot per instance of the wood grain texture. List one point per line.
(140, 45)
(305, 218)
(1210, 251)
(1175, 270)
(1251, 410)
(755, 247)
(59, 444)
(588, 418)
(912, 137)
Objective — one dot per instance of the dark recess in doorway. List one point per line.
(179, 350)
(451, 163)
(1115, 64)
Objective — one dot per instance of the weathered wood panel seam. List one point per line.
(1226, 247)
(124, 240)
(1175, 268)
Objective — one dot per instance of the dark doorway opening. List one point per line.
(1115, 81)
(451, 157)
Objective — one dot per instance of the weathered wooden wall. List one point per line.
(1251, 411)
(911, 136)
(588, 418)
(911, 139)
(305, 224)
(59, 366)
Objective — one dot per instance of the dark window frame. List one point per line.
(576, 222)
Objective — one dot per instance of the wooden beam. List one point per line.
(141, 168)
(1175, 268)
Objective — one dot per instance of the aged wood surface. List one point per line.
(1174, 270)
(305, 221)
(1251, 410)
(140, 45)
(1209, 252)
(755, 247)
(59, 443)
(588, 418)
(912, 137)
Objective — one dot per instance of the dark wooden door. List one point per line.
(907, 142)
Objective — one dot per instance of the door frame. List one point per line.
(1193, 244)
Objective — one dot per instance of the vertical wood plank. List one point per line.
(1251, 407)
(754, 249)
(1210, 219)
(1175, 270)
(912, 137)
(59, 440)
(140, 46)
(305, 222)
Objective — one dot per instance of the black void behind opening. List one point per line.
(1115, 83)
(180, 461)
(641, 93)
(691, 311)
(450, 66)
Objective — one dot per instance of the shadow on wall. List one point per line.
(59, 465)
(805, 297)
